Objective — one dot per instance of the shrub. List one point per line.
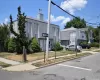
(94, 44)
(35, 45)
(6, 44)
(11, 45)
(84, 43)
(57, 47)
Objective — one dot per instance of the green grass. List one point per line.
(4, 54)
(97, 51)
(2, 64)
(34, 56)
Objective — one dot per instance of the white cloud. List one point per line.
(63, 19)
(6, 20)
(73, 5)
(56, 19)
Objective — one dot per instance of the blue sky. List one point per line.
(87, 9)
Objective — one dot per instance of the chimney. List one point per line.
(40, 15)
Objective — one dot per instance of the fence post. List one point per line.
(24, 54)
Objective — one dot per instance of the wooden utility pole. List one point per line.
(99, 38)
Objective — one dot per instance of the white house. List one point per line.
(35, 28)
(71, 35)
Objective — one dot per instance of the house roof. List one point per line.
(40, 20)
(72, 28)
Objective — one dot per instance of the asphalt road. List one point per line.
(87, 68)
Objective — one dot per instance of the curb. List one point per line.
(62, 61)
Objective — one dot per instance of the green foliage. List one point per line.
(96, 34)
(6, 44)
(76, 23)
(35, 45)
(57, 47)
(11, 45)
(4, 35)
(94, 44)
(21, 39)
(84, 43)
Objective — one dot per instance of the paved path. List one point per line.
(21, 67)
(9, 61)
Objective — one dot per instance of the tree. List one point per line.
(57, 47)
(35, 45)
(20, 37)
(76, 23)
(4, 36)
(11, 45)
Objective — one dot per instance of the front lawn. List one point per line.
(34, 56)
(2, 64)
(97, 51)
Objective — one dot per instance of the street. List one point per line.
(86, 68)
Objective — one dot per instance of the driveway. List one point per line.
(87, 68)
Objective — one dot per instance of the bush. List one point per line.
(35, 45)
(94, 44)
(6, 44)
(11, 45)
(84, 43)
(57, 47)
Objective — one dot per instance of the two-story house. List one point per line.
(35, 28)
(70, 35)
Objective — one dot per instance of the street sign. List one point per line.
(44, 34)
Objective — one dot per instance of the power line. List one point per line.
(84, 13)
(70, 13)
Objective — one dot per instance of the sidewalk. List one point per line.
(29, 66)
(9, 61)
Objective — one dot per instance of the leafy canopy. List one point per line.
(76, 23)
(35, 45)
(20, 36)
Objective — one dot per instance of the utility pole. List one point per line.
(47, 41)
(99, 38)
(99, 35)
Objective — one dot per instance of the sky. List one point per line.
(87, 9)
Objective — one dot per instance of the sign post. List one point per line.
(45, 35)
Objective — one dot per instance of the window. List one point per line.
(53, 31)
(82, 34)
(36, 30)
(57, 32)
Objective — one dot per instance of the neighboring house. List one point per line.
(71, 35)
(35, 28)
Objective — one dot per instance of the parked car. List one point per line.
(73, 47)
(85, 46)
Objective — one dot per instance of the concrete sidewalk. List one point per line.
(21, 67)
(9, 61)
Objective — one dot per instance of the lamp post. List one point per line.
(47, 41)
